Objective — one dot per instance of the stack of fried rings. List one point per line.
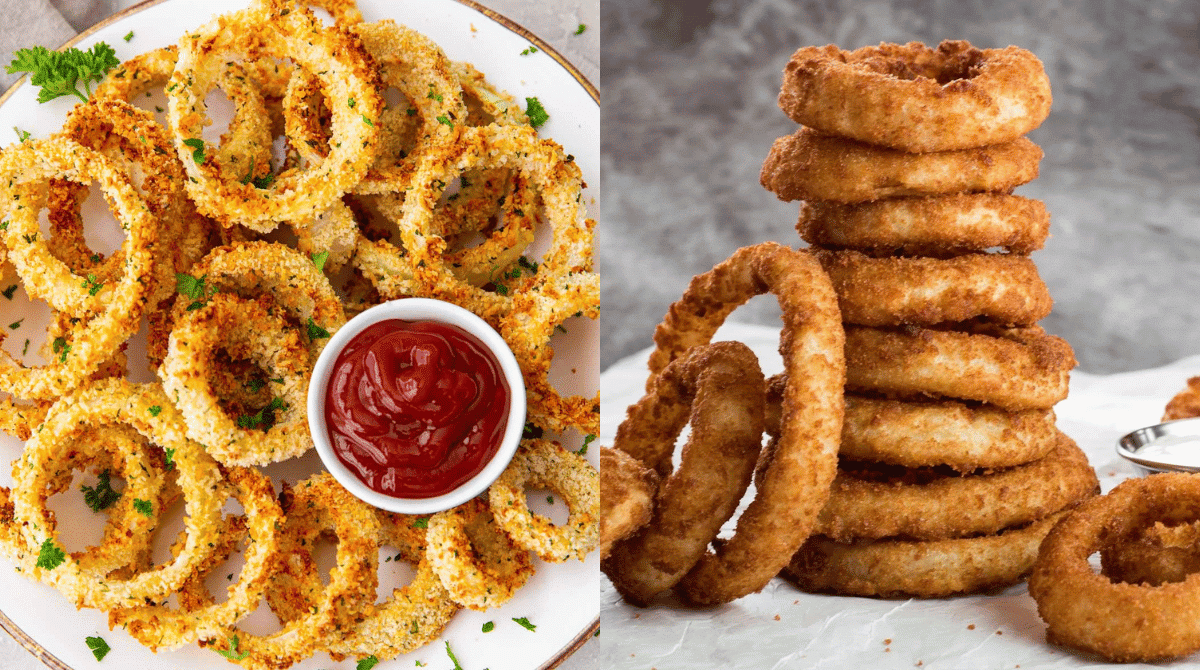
(691, 378)
(236, 322)
(906, 162)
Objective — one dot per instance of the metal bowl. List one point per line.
(1183, 434)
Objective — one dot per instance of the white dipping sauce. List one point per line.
(1173, 449)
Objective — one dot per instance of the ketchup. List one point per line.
(415, 408)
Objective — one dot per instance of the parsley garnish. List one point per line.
(587, 439)
(101, 496)
(367, 121)
(60, 347)
(433, 95)
(22, 135)
(319, 259)
(59, 73)
(529, 50)
(445, 121)
(168, 458)
(580, 29)
(351, 102)
(15, 324)
(536, 113)
(531, 432)
(489, 627)
(197, 146)
(255, 384)
(128, 36)
(232, 652)
(265, 416)
(92, 284)
(366, 663)
(143, 507)
(316, 332)
(155, 409)
(195, 288)
(8, 292)
(50, 555)
(422, 522)
(452, 658)
(98, 646)
(524, 623)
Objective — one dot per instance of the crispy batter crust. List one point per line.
(807, 165)
(627, 492)
(915, 98)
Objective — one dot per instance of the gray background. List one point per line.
(689, 114)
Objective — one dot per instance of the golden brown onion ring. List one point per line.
(718, 390)
(282, 31)
(807, 165)
(915, 98)
(1121, 622)
(545, 464)
(906, 568)
(1186, 403)
(1012, 368)
(479, 565)
(627, 492)
(893, 291)
(796, 486)
(247, 330)
(936, 505)
(1158, 555)
(928, 226)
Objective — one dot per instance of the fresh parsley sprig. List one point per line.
(59, 73)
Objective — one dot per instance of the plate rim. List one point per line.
(33, 646)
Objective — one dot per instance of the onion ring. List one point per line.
(1012, 368)
(904, 568)
(627, 492)
(934, 505)
(346, 73)
(893, 291)
(717, 389)
(928, 226)
(810, 166)
(1158, 555)
(478, 564)
(248, 330)
(547, 464)
(1121, 622)
(1186, 403)
(796, 486)
(915, 98)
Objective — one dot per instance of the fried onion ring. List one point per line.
(796, 486)
(928, 226)
(892, 291)
(915, 98)
(480, 566)
(1012, 368)
(1119, 621)
(717, 389)
(543, 463)
(627, 492)
(1186, 403)
(1160, 554)
(810, 166)
(906, 568)
(934, 505)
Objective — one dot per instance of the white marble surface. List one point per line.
(51, 22)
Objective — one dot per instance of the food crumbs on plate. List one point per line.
(777, 617)
(999, 632)
(887, 641)
(971, 626)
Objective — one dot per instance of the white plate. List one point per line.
(562, 599)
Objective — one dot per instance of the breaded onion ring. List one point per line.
(717, 389)
(915, 98)
(480, 566)
(906, 568)
(247, 330)
(1158, 555)
(627, 492)
(1119, 621)
(546, 464)
(807, 165)
(795, 487)
(1013, 368)
(284, 31)
(893, 291)
(935, 505)
(928, 226)
(1186, 403)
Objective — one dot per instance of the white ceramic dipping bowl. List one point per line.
(418, 309)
